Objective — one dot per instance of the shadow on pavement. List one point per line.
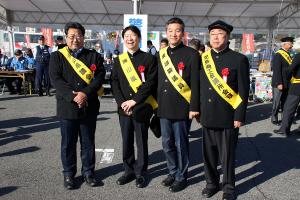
(7, 190)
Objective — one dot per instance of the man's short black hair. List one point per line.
(175, 20)
(149, 42)
(195, 43)
(164, 40)
(75, 25)
(60, 38)
(18, 52)
(132, 28)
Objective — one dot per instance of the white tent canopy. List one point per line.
(197, 14)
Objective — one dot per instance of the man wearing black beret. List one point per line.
(224, 90)
(280, 80)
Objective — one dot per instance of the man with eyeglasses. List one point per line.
(224, 90)
(77, 74)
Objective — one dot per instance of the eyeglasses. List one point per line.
(217, 34)
(73, 37)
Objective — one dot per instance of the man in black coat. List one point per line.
(178, 102)
(134, 122)
(292, 100)
(280, 80)
(77, 74)
(224, 91)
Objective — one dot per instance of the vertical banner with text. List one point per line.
(248, 43)
(140, 21)
(48, 34)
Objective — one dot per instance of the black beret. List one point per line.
(41, 37)
(287, 39)
(221, 25)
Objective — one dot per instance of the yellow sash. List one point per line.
(175, 79)
(80, 68)
(133, 78)
(217, 81)
(288, 59)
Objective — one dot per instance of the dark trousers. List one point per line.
(279, 98)
(9, 81)
(219, 144)
(176, 146)
(70, 130)
(289, 110)
(42, 74)
(129, 126)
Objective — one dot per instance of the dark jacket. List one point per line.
(295, 72)
(66, 80)
(215, 111)
(120, 85)
(281, 71)
(171, 104)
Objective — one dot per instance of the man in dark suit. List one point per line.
(77, 74)
(280, 80)
(178, 102)
(133, 122)
(292, 100)
(224, 90)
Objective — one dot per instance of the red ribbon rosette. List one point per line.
(181, 66)
(141, 69)
(93, 67)
(225, 73)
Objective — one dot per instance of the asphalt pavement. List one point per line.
(267, 165)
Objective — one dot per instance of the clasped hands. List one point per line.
(127, 106)
(80, 98)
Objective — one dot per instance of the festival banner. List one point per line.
(248, 43)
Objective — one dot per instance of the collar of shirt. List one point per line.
(75, 53)
(171, 50)
(220, 52)
(135, 53)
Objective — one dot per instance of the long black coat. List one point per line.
(281, 71)
(121, 87)
(215, 111)
(171, 104)
(295, 70)
(66, 80)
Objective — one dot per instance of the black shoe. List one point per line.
(228, 196)
(178, 186)
(209, 192)
(40, 94)
(140, 181)
(168, 181)
(48, 94)
(276, 123)
(124, 179)
(280, 132)
(90, 180)
(69, 182)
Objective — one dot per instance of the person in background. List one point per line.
(3, 60)
(31, 64)
(99, 49)
(143, 68)
(151, 48)
(42, 57)
(202, 49)
(77, 74)
(59, 43)
(18, 63)
(164, 43)
(281, 79)
(195, 44)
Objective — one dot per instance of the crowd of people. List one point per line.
(164, 90)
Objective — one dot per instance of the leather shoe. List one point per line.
(178, 186)
(209, 192)
(167, 182)
(140, 182)
(90, 180)
(69, 182)
(228, 196)
(280, 132)
(277, 123)
(124, 179)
